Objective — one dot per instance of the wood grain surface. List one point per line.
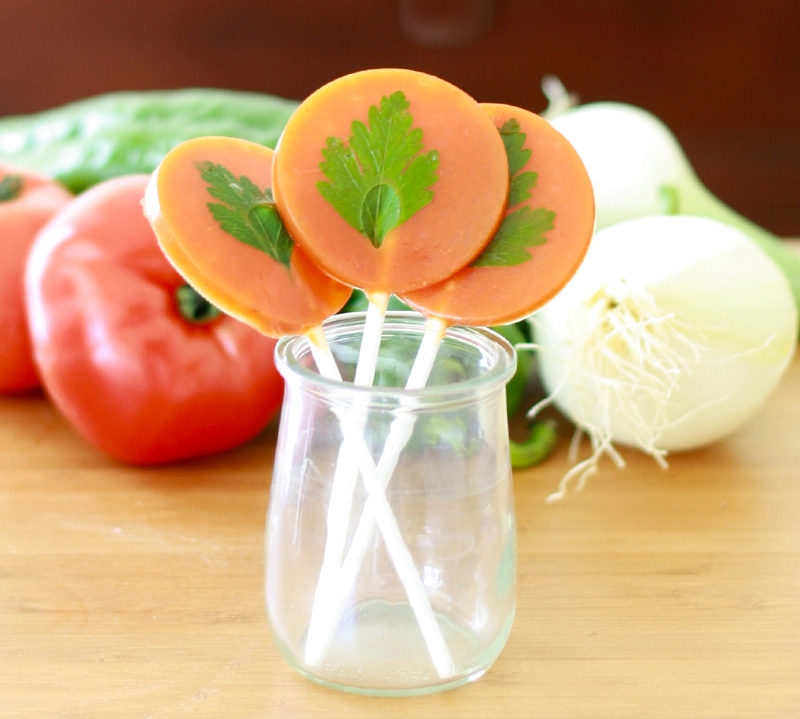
(130, 592)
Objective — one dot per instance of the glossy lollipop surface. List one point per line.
(544, 236)
(210, 205)
(384, 145)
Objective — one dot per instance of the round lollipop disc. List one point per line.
(287, 295)
(542, 241)
(333, 144)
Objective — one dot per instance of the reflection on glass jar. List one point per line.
(390, 552)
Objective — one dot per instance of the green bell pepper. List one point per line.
(85, 142)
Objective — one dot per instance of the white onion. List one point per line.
(634, 161)
(672, 334)
(637, 168)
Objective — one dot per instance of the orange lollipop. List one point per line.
(210, 204)
(390, 179)
(543, 238)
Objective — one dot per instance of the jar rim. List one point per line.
(293, 351)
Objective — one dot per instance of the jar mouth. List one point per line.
(482, 361)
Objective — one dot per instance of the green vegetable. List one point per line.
(10, 187)
(358, 302)
(515, 389)
(194, 307)
(524, 227)
(380, 180)
(247, 213)
(537, 447)
(106, 136)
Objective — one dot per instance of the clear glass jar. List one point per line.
(412, 590)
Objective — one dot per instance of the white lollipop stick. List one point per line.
(387, 523)
(345, 475)
(327, 619)
(401, 558)
(321, 352)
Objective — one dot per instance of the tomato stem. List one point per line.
(10, 187)
(195, 308)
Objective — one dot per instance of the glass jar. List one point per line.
(391, 541)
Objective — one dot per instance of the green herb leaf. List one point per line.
(381, 179)
(523, 228)
(246, 213)
(520, 230)
(520, 186)
(10, 187)
(514, 141)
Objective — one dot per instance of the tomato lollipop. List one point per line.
(542, 240)
(543, 237)
(210, 204)
(540, 244)
(391, 180)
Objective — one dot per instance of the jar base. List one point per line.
(378, 650)
(407, 691)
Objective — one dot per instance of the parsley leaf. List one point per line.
(520, 184)
(380, 179)
(10, 187)
(246, 213)
(520, 230)
(523, 228)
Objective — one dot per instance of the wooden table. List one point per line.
(129, 592)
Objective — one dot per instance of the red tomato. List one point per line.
(114, 352)
(27, 201)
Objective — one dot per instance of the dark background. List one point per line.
(723, 74)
